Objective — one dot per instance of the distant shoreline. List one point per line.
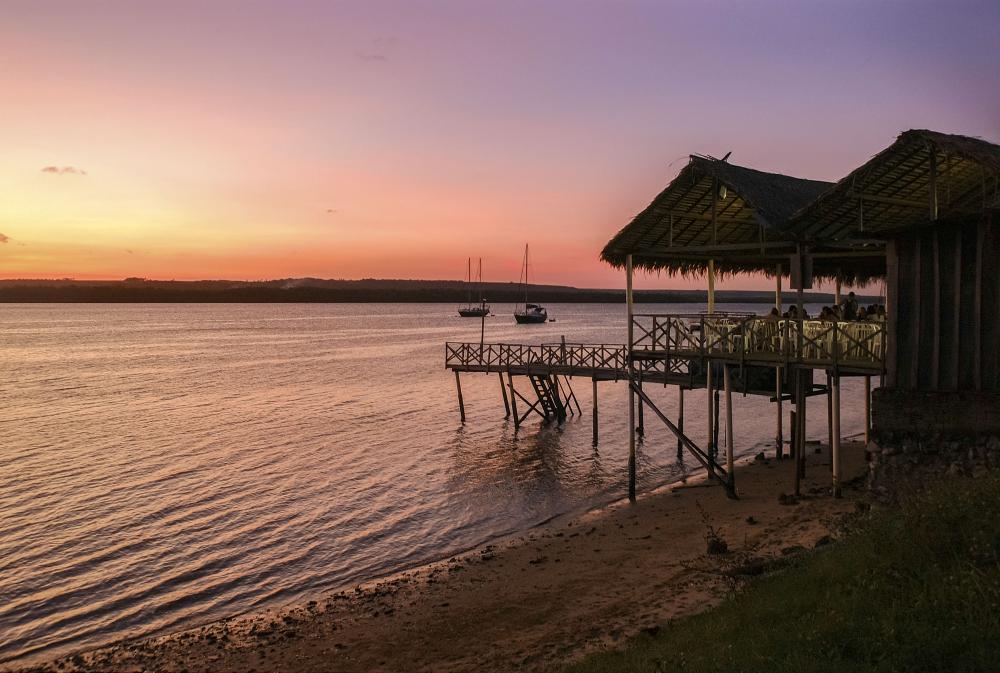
(357, 292)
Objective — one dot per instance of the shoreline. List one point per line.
(578, 583)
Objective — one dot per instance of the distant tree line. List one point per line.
(136, 290)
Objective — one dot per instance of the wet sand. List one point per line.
(578, 585)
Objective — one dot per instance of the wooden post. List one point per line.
(829, 413)
(868, 409)
(779, 439)
(802, 425)
(711, 428)
(631, 392)
(835, 446)
(461, 402)
(727, 386)
(513, 401)
(640, 428)
(595, 412)
(631, 443)
(793, 428)
(680, 421)
(836, 290)
(503, 391)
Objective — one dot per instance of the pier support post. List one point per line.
(711, 430)
(835, 445)
(595, 412)
(631, 444)
(641, 427)
(868, 409)
(503, 391)
(829, 414)
(461, 402)
(779, 435)
(727, 385)
(513, 401)
(629, 305)
(680, 421)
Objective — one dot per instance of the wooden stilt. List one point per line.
(829, 413)
(727, 385)
(793, 428)
(595, 412)
(503, 391)
(631, 444)
(513, 401)
(461, 402)
(711, 430)
(868, 409)
(802, 426)
(835, 445)
(641, 427)
(680, 421)
(629, 305)
(779, 439)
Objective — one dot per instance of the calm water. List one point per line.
(165, 465)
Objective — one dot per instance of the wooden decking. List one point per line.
(677, 348)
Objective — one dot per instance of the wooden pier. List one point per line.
(745, 353)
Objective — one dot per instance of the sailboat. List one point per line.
(481, 309)
(532, 313)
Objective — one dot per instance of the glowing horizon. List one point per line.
(255, 140)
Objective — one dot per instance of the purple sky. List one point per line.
(394, 139)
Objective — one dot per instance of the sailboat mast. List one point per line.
(525, 276)
(479, 280)
(469, 282)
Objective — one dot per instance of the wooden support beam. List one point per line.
(829, 411)
(779, 439)
(835, 445)
(727, 384)
(777, 287)
(595, 412)
(461, 402)
(711, 429)
(503, 391)
(641, 427)
(680, 421)
(631, 444)
(513, 401)
(890, 200)
(868, 409)
(629, 307)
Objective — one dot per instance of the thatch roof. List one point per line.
(678, 233)
(766, 215)
(893, 190)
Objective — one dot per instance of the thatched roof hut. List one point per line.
(749, 221)
(923, 176)
(736, 216)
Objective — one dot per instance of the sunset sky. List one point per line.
(254, 140)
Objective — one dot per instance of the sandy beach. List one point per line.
(578, 585)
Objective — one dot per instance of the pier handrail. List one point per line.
(762, 340)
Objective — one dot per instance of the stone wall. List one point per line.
(919, 437)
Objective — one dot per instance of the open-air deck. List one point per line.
(675, 348)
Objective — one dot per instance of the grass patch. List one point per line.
(913, 588)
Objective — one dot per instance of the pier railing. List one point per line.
(565, 358)
(757, 340)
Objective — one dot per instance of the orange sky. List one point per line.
(384, 139)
